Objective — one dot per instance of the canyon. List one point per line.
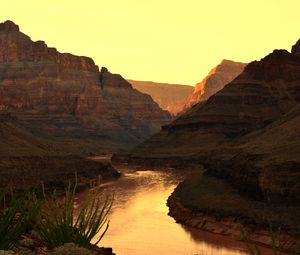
(168, 96)
(65, 99)
(246, 136)
(179, 98)
(57, 108)
(238, 130)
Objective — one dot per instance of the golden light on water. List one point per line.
(161, 40)
(140, 223)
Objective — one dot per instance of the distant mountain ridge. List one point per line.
(177, 98)
(165, 94)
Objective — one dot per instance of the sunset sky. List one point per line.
(167, 41)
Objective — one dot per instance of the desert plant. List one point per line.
(58, 223)
(71, 249)
(15, 217)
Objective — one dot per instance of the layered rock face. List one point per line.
(216, 80)
(247, 133)
(66, 98)
(168, 96)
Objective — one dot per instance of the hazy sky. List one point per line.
(161, 40)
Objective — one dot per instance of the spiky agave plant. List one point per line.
(58, 223)
(16, 215)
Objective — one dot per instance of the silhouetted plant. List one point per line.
(16, 215)
(59, 225)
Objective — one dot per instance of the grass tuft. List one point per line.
(58, 223)
(15, 217)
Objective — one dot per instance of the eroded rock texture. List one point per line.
(216, 80)
(65, 98)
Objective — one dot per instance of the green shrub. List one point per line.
(58, 224)
(71, 249)
(15, 217)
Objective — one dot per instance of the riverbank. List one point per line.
(209, 204)
(55, 172)
(31, 244)
(49, 174)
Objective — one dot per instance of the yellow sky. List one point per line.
(175, 41)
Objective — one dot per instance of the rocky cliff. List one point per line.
(168, 96)
(65, 97)
(247, 133)
(216, 80)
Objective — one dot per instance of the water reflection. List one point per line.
(140, 224)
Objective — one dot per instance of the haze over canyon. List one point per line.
(177, 168)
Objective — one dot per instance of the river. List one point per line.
(139, 221)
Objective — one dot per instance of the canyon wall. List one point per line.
(216, 80)
(65, 98)
(168, 96)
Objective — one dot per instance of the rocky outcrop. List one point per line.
(65, 97)
(296, 48)
(216, 80)
(168, 96)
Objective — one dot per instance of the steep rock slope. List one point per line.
(17, 142)
(216, 79)
(65, 97)
(168, 96)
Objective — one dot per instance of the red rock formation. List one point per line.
(64, 96)
(216, 79)
(168, 96)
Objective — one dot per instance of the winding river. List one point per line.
(139, 221)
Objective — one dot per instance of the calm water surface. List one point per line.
(140, 225)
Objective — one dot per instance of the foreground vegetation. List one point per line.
(15, 217)
(54, 221)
